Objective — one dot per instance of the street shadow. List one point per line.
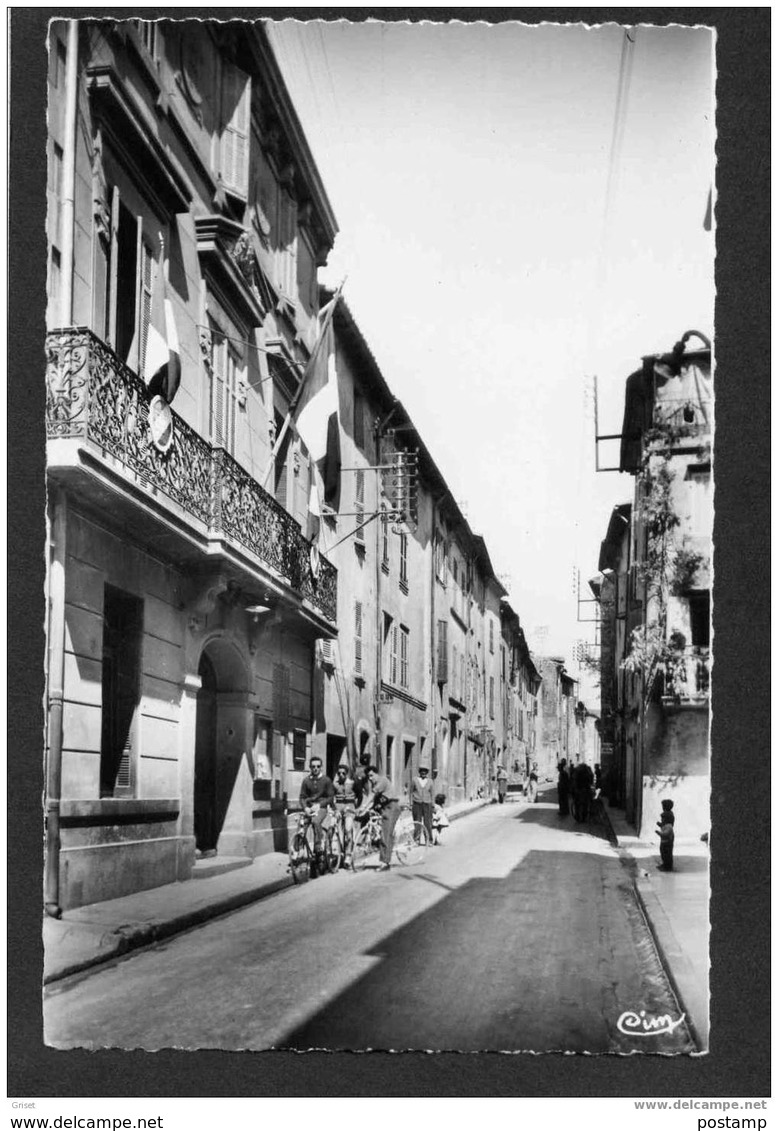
(549, 818)
(547, 958)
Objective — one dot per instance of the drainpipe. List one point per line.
(67, 215)
(56, 680)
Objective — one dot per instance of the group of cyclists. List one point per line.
(351, 798)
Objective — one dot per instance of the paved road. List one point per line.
(521, 932)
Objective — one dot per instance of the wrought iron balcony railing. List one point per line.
(687, 676)
(93, 396)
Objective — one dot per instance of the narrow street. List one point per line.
(520, 932)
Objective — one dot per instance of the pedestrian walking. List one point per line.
(532, 784)
(563, 789)
(421, 803)
(666, 832)
(582, 791)
(439, 819)
(502, 783)
(387, 803)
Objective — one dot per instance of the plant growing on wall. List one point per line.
(665, 568)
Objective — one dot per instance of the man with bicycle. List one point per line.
(387, 803)
(317, 799)
(345, 807)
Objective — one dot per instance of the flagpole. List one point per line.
(308, 369)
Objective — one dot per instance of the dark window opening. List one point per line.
(122, 634)
(126, 281)
(699, 617)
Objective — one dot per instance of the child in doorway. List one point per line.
(665, 828)
(439, 819)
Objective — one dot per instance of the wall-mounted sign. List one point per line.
(160, 424)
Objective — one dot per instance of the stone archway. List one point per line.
(221, 742)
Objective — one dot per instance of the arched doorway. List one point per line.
(205, 831)
(221, 742)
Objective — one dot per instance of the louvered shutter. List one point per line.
(359, 505)
(236, 125)
(393, 657)
(442, 651)
(358, 637)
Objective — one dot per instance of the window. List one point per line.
(440, 557)
(442, 657)
(358, 637)
(699, 617)
(404, 560)
(454, 672)
(389, 752)
(299, 749)
(125, 274)
(491, 635)
(281, 463)
(122, 637)
(286, 251)
(147, 32)
(700, 511)
(359, 506)
(491, 696)
(54, 280)
(224, 391)
(54, 188)
(235, 126)
(404, 637)
(390, 650)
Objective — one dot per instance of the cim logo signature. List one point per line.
(634, 1024)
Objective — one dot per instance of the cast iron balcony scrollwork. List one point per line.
(93, 396)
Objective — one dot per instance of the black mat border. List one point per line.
(738, 1064)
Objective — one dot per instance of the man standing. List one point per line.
(421, 803)
(502, 783)
(317, 797)
(387, 803)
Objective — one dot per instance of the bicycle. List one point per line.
(407, 848)
(305, 862)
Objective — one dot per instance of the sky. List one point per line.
(520, 208)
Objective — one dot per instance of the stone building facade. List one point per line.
(655, 593)
(207, 631)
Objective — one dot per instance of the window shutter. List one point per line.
(359, 505)
(442, 651)
(146, 285)
(358, 637)
(404, 657)
(236, 125)
(393, 657)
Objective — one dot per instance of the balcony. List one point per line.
(97, 421)
(687, 678)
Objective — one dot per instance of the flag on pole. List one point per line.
(162, 367)
(318, 425)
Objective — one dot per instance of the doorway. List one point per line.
(336, 753)
(205, 829)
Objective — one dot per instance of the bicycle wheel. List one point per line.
(407, 849)
(300, 859)
(363, 848)
(334, 850)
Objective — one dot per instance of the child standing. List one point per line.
(439, 819)
(666, 831)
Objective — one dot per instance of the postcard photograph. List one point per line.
(379, 423)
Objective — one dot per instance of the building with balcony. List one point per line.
(183, 601)
(654, 594)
